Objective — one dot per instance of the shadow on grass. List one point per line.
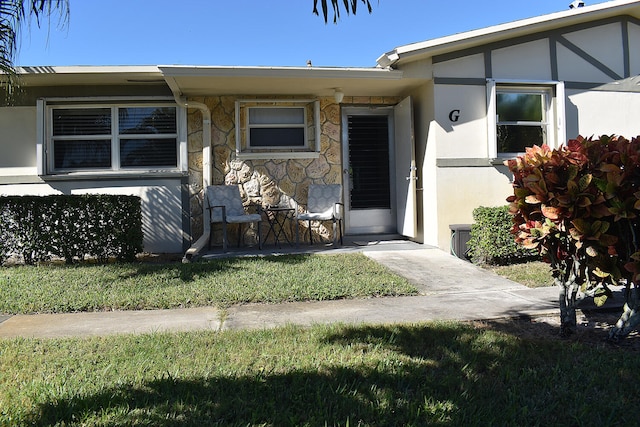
(391, 391)
(445, 374)
(187, 272)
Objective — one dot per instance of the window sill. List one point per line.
(278, 155)
(499, 161)
(109, 175)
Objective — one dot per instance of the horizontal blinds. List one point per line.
(139, 136)
(147, 120)
(369, 162)
(148, 152)
(79, 122)
(82, 154)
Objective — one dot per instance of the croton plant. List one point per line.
(579, 206)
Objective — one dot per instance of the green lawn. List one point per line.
(533, 274)
(224, 282)
(445, 374)
(436, 373)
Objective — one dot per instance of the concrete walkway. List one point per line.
(450, 289)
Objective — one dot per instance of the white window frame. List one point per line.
(45, 148)
(312, 129)
(554, 128)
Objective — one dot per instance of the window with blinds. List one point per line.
(276, 127)
(113, 137)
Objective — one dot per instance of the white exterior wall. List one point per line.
(161, 197)
(525, 61)
(457, 169)
(17, 141)
(462, 189)
(466, 137)
(595, 113)
(603, 43)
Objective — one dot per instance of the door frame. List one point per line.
(386, 217)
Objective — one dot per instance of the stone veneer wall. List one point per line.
(265, 182)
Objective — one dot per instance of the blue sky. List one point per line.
(255, 33)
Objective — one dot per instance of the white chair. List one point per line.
(225, 206)
(323, 204)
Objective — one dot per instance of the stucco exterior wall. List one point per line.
(595, 113)
(17, 147)
(602, 42)
(457, 172)
(523, 61)
(460, 115)
(265, 181)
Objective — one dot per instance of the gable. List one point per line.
(584, 56)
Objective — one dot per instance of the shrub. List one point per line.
(579, 206)
(491, 240)
(72, 227)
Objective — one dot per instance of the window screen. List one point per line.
(114, 137)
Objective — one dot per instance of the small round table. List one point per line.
(277, 217)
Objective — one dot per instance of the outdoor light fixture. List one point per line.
(338, 95)
(576, 4)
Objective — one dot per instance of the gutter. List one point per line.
(181, 100)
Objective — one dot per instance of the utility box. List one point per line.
(460, 235)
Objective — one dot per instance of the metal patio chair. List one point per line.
(225, 206)
(323, 204)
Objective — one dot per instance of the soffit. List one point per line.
(261, 81)
(193, 81)
(89, 75)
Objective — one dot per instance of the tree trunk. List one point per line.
(630, 318)
(568, 301)
(568, 277)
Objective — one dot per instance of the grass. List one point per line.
(533, 274)
(446, 374)
(221, 283)
(436, 373)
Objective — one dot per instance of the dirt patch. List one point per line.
(592, 329)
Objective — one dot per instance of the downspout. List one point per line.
(199, 244)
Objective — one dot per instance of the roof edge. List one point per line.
(390, 58)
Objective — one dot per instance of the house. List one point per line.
(417, 142)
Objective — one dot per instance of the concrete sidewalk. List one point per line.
(450, 289)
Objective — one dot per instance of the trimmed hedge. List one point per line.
(491, 240)
(71, 227)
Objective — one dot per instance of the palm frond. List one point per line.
(13, 15)
(350, 6)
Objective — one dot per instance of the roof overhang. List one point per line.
(261, 81)
(89, 75)
(194, 81)
(471, 39)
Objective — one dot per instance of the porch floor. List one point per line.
(351, 243)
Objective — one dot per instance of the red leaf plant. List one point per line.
(578, 206)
